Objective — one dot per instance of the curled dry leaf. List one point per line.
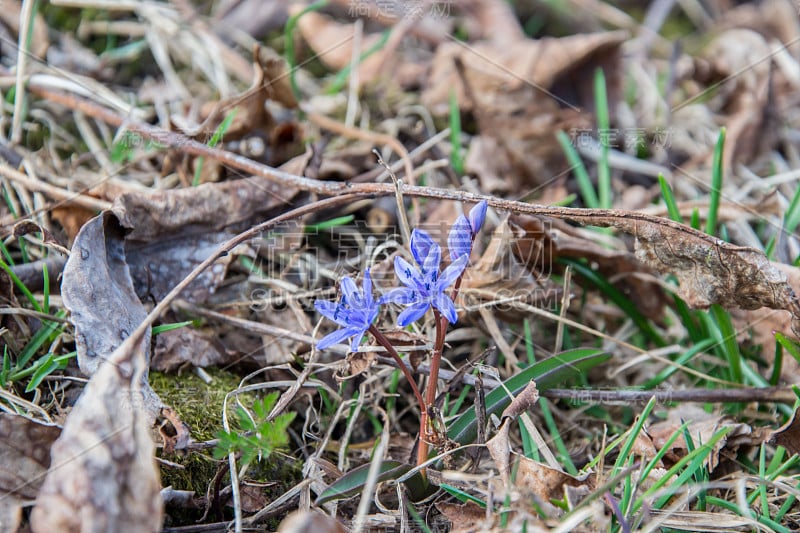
(499, 446)
(103, 476)
(98, 292)
(787, 435)
(24, 460)
(709, 270)
(543, 240)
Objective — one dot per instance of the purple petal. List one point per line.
(367, 287)
(476, 216)
(459, 240)
(335, 338)
(443, 303)
(401, 295)
(350, 293)
(430, 268)
(421, 243)
(452, 272)
(407, 274)
(412, 313)
(356, 341)
(326, 309)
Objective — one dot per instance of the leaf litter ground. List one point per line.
(183, 181)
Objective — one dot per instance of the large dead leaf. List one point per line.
(103, 476)
(97, 290)
(709, 270)
(172, 231)
(521, 92)
(24, 459)
(501, 72)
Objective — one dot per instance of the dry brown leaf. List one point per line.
(499, 446)
(547, 483)
(332, 43)
(709, 270)
(184, 346)
(303, 521)
(173, 231)
(787, 435)
(103, 475)
(702, 427)
(500, 71)
(466, 518)
(358, 362)
(97, 290)
(24, 460)
(543, 240)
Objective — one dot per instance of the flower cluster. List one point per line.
(424, 284)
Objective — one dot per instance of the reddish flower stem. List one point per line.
(383, 341)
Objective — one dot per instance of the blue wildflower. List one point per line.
(355, 312)
(464, 230)
(424, 286)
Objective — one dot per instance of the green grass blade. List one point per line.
(169, 327)
(729, 345)
(604, 128)
(716, 185)
(353, 482)
(21, 286)
(219, 133)
(669, 200)
(581, 174)
(456, 157)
